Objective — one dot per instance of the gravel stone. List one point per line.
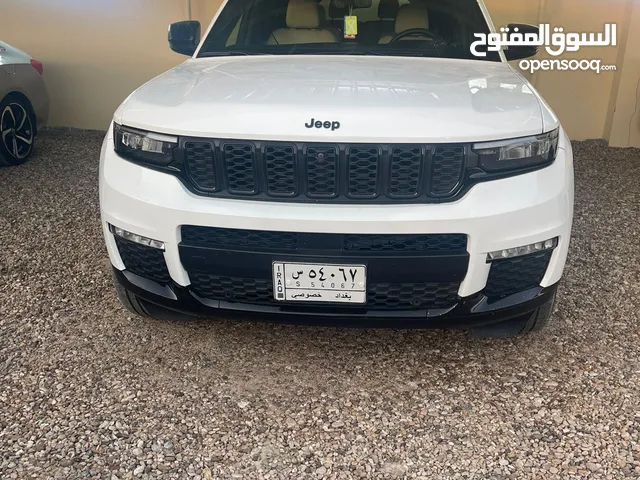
(89, 391)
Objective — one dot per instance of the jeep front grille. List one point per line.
(323, 173)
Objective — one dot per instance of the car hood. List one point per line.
(372, 99)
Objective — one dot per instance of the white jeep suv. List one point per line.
(341, 162)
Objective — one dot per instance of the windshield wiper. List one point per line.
(234, 53)
(435, 49)
(376, 53)
(364, 52)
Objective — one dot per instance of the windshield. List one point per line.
(429, 28)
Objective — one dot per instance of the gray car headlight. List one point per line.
(519, 152)
(146, 147)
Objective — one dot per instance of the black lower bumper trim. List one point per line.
(474, 311)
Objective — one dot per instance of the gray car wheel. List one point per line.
(17, 131)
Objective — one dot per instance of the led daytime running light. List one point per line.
(135, 238)
(521, 251)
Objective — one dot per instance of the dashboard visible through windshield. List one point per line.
(427, 28)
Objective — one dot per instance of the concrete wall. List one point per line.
(96, 52)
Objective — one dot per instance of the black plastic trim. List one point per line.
(511, 275)
(323, 243)
(474, 311)
(391, 268)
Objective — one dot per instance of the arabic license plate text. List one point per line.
(305, 282)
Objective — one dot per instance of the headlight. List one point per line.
(146, 147)
(518, 153)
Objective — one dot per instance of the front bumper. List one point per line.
(495, 215)
(475, 311)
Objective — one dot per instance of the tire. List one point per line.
(540, 318)
(533, 322)
(130, 301)
(17, 130)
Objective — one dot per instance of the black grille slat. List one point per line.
(144, 261)
(263, 240)
(448, 167)
(280, 164)
(400, 296)
(408, 296)
(322, 171)
(363, 171)
(405, 243)
(245, 290)
(514, 275)
(239, 160)
(200, 163)
(406, 167)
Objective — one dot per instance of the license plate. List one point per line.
(306, 282)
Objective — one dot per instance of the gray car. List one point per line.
(24, 104)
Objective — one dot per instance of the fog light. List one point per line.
(520, 251)
(132, 237)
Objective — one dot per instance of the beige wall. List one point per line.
(204, 10)
(582, 100)
(624, 121)
(97, 51)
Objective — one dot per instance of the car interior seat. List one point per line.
(387, 12)
(409, 16)
(303, 25)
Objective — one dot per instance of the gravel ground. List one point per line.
(87, 391)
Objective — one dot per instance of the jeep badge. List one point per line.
(318, 124)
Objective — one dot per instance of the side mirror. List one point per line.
(523, 51)
(184, 37)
